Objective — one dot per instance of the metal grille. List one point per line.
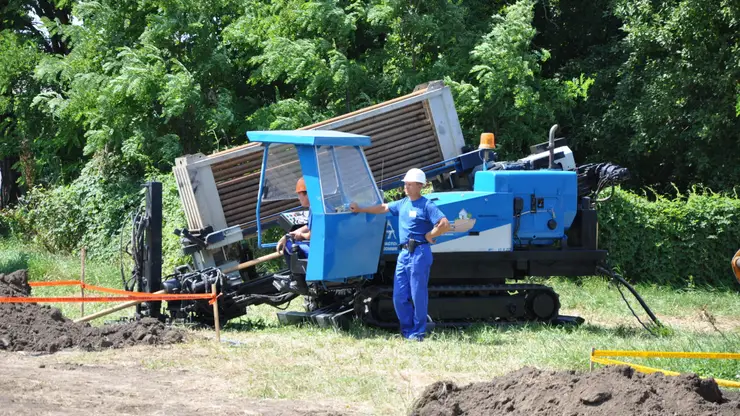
(192, 214)
(401, 139)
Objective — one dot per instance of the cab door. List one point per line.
(343, 244)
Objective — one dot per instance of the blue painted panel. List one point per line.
(353, 248)
(491, 205)
(343, 245)
(390, 241)
(558, 189)
(476, 212)
(309, 137)
(471, 214)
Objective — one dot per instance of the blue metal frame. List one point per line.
(356, 239)
(259, 199)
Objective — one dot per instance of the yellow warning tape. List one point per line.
(667, 354)
(595, 354)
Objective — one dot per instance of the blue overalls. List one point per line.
(410, 294)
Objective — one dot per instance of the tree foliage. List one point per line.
(130, 85)
(670, 109)
(507, 94)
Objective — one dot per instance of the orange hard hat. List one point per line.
(300, 186)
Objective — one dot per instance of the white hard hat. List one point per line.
(415, 175)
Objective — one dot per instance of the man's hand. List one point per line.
(354, 207)
(298, 235)
(429, 238)
(281, 245)
(440, 228)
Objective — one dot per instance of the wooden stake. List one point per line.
(116, 308)
(82, 280)
(251, 263)
(216, 322)
(590, 360)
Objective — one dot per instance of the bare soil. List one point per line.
(47, 385)
(37, 380)
(41, 328)
(40, 380)
(617, 390)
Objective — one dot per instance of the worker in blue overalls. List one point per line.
(301, 235)
(420, 222)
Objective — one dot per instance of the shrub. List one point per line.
(86, 212)
(94, 212)
(683, 241)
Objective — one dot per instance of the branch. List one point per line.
(47, 9)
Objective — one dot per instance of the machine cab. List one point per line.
(343, 245)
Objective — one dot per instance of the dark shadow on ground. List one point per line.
(248, 324)
(480, 333)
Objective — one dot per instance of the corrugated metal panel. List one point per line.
(187, 198)
(401, 139)
(402, 135)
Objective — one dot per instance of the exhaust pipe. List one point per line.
(553, 129)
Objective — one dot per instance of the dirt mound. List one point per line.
(41, 328)
(607, 391)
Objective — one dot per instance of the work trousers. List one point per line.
(410, 293)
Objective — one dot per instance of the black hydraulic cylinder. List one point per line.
(153, 260)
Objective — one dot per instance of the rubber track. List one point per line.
(374, 291)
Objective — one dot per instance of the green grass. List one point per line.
(594, 295)
(377, 370)
(43, 266)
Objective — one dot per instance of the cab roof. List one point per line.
(309, 137)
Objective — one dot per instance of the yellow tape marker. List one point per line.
(667, 354)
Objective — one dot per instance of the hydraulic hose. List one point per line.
(620, 280)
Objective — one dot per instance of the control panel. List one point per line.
(290, 221)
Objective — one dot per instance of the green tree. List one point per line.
(148, 80)
(19, 124)
(672, 116)
(508, 94)
(28, 30)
